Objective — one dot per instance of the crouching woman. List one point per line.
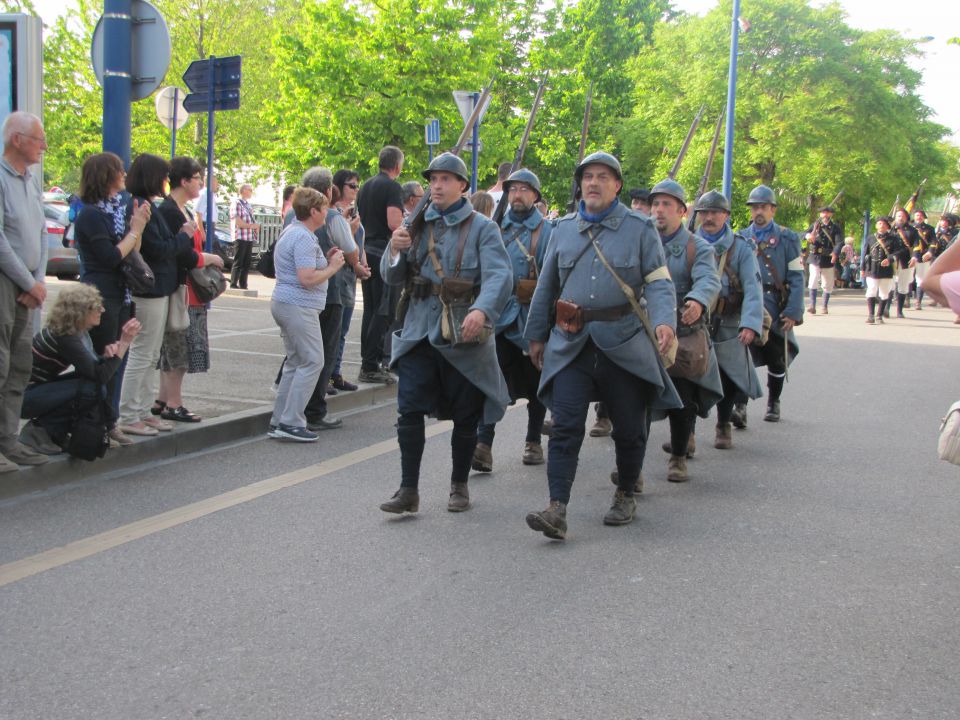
(54, 397)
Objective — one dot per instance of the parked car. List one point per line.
(62, 257)
(224, 246)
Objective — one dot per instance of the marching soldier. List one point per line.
(781, 271)
(525, 234)
(823, 248)
(880, 255)
(592, 338)
(457, 280)
(927, 238)
(690, 260)
(737, 321)
(904, 273)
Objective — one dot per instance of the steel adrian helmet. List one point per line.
(523, 176)
(599, 158)
(762, 195)
(713, 200)
(448, 162)
(671, 188)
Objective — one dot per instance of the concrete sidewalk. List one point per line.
(235, 398)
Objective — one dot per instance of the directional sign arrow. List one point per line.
(226, 74)
(222, 100)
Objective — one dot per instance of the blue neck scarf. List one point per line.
(582, 212)
(453, 208)
(762, 233)
(114, 208)
(712, 238)
(667, 238)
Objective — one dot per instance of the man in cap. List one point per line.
(823, 248)
(588, 338)
(737, 319)
(447, 365)
(525, 235)
(927, 237)
(640, 200)
(905, 267)
(881, 253)
(781, 271)
(690, 260)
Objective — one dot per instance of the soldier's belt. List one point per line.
(608, 313)
(770, 287)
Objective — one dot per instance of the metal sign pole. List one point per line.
(211, 224)
(117, 80)
(731, 102)
(173, 137)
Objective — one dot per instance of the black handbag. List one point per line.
(208, 282)
(137, 274)
(88, 435)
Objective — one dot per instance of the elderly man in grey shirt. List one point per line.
(23, 262)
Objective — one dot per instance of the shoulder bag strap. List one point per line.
(721, 269)
(434, 260)
(771, 269)
(583, 250)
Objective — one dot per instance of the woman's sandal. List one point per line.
(158, 407)
(180, 414)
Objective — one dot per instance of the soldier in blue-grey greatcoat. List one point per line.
(690, 261)
(737, 319)
(461, 383)
(525, 235)
(590, 342)
(781, 272)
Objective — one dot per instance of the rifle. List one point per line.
(414, 221)
(836, 200)
(896, 204)
(686, 144)
(707, 170)
(521, 149)
(911, 204)
(584, 130)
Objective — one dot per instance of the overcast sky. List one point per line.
(938, 19)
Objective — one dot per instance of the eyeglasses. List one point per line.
(352, 186)
(197, 177)
(41, 140)
(418, 196)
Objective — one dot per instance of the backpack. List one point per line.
(265, 264)
(88, 435)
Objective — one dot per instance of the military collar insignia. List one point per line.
(613, 221)
(454, 218)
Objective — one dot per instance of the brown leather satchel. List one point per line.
(693, 351)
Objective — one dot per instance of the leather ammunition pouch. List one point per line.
(525, 290)
(569, 316)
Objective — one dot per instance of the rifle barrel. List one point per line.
(686, 144)
(584, 131)
(501, 208)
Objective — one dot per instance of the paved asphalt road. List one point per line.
(811, 572)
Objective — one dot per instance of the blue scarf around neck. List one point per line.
(599, 217)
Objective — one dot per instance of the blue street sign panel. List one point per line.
(432, 131)
(226, 74)
(222, 100)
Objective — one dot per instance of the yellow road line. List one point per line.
(87, 547)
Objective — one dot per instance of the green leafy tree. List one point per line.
(821, 107)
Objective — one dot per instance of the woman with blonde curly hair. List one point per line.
(54, 397)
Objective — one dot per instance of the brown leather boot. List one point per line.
(724, 439)
(677, 469)
(532, 454)
(482, 458)
(637, 489)
(459, 498)
(552, 522)
(404, 500)
(691, 446)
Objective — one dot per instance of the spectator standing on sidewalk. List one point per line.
(347, 184)
(381, 212)
(245, 233)
(410, 194)
(23, 265)
(200, 205)
(298, 299)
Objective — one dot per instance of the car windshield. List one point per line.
(57, 213)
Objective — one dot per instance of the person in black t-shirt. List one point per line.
(381, 212)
